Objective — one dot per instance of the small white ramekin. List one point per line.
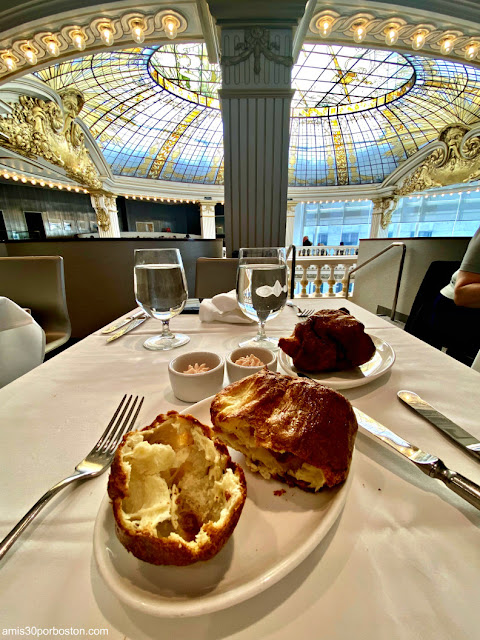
(193, 387)
(237, 371)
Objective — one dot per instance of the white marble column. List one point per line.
(255, 97)
(207, 220)
(289, 227)
(105, 205)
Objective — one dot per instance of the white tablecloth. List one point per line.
(402, 561)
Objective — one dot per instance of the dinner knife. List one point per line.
(120, 323)
(468, 443)
(426, 462)
(125, 329)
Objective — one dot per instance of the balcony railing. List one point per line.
(329, 266)
(330, 250)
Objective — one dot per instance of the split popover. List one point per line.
(329, 340)
(176, 493)
(290, 429)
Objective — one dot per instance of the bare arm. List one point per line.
(467, 289)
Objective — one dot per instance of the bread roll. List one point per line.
(291, 429)
(176, 494)
(330, 340)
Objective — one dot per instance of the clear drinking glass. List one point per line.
(262, 289)
(161, 291)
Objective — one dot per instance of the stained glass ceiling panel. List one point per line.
(356, 113)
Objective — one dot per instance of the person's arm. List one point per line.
(467, 289)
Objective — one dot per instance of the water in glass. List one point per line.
(160, 289)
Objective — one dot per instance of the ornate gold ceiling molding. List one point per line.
(387, 31)
(455, 161)
(19, 56)
(39, 128)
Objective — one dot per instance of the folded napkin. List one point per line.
(22, 342)
(223, 308)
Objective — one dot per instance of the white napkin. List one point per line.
(22, 342)
(223, 308)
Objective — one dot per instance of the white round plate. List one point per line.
(381, 361)
(274, 534)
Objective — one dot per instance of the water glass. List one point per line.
(161, 291)
(262, 289)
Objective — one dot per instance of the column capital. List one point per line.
(382, 215)
(105, 205)
(256, 61)
(207, 210)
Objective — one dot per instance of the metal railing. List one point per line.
(399, 275)
(293, 250)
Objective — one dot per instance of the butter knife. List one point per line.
(128, 327)
(469, 443)
(120, 323)
(426, 462)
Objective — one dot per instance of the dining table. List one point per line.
(401, 560)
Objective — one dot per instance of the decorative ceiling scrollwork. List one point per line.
(456, 161)
(257, 43)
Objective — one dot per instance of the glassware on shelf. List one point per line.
(161, 291)
(262, 289)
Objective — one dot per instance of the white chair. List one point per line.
(22, 342)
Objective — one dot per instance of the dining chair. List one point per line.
(38, 282)
(215, 275)
(419, 321)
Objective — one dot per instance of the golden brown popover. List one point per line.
(291, 429)
(176, 494)
(329, 340)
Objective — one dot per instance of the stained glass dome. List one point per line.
(356, 113)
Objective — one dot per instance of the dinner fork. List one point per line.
(301, 313)
(96, 462)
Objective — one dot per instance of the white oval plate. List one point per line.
(381, 361)
(274, 534)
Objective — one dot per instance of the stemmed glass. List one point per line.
(262, 289)
(161, 291)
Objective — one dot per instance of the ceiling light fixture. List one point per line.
(78, 39)
(10, 61)
(106, 33)
(471, 50)
(52, 44)
(30, 53)
(359, 31)
(446, 45)
(418, 39)
(138, 30)
(171, 25)
(391, 34)
(324, 25)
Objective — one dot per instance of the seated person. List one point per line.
(456, 313)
